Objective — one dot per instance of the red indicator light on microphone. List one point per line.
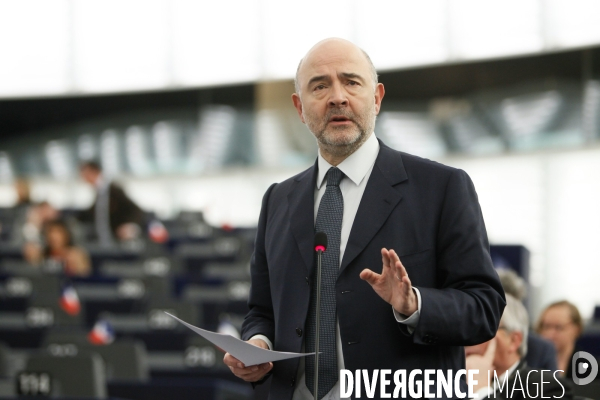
(320, 241)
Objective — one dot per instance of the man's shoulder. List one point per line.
(285, 185)
(417, 166)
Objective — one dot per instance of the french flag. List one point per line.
(69, 301)
(102, 333)
(157, 232)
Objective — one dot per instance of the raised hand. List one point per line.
(393, 284)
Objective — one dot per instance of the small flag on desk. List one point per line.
(69, 301)
(102, 333)
(157, 232)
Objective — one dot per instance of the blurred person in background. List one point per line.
(30, 220)
(561, 323)
(21, 210)
(113, 213)
(59, 249)
(505, 355)
(541, 353)
(23, 192)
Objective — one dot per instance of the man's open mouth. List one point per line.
(339, 119)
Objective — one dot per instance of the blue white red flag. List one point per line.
(102, 333)
(69, 301)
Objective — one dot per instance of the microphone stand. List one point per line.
(318, 323)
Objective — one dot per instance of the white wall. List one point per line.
(97, 46)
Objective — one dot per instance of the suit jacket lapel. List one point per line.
(301, 200)
(378, 201)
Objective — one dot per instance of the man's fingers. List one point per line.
(246, 371)
(394, 256)
(399, 268)
(490, 352)
(253, 373)
(369, 276)
(231, 361)
(407, 285)
(385, 258)
(400, 271)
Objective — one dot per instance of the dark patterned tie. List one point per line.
(329, 220)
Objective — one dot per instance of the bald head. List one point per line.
(338, 97)
(333, 48)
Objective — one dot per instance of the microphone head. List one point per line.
(320, 241)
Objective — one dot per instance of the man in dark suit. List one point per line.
(503, 369)
(113, 213)
(433, 291)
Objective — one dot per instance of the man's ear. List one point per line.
(379, 93)
(516, 339)
(298, 105)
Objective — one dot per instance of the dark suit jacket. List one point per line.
(526, 383)
(121, 209)
(430, 215)
(541, 354)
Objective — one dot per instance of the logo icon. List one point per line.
(584, 367)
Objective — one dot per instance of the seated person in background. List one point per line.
(37, 217)
(59, 249)
(113, 213)
(561, 323)
(20, 210)
(541, 353)
(505, 356)
(28, 217)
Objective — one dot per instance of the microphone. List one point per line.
(320, 241)
(320, 247)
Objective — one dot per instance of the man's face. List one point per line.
(56, 237)
(507, 349)
(89, 175)
(337, 99)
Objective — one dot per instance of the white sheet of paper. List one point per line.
(243, 351)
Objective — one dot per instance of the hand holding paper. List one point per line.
(252, 373)
(245, 352)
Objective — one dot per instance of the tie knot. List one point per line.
(334, 176)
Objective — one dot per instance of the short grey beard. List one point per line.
(343, 150)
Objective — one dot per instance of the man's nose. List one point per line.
(338, 96)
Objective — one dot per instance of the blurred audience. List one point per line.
(561, 323)
(504, 355)
(29, 218)
(20, 210)
(541, 353)
(113, 214)
(39, 215)
(58, 249)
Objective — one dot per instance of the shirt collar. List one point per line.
(102, 183)
(356, 166)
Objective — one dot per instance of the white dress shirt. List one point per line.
(102, 212)
(357, 170)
